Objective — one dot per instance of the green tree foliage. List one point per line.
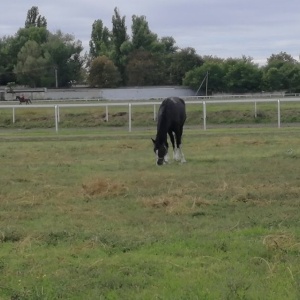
(144, 59)
(242, 76)
(11, 46)
(31, 65)
(183, 61)
(169, 44)
(65, 56)
(100, 43)
(119, 37)
(143, 68)
(293, 73)
(215, 70)
(142, 37)
(232, 76)
(281, 73)
(33, 54)
(272, 79)
(34, 19)
(103, 73)
(278, 60)
(6, 61)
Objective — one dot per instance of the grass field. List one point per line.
(88, 215)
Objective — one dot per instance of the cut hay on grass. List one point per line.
(281, 241)
(103, 188)
(175, 201)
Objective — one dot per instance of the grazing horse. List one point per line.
(170, 120)
(23, 100)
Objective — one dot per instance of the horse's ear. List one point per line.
(153, 141)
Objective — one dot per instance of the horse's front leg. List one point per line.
(166, 157)
(179, 154)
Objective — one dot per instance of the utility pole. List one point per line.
(56, 82)
(206, 83)
(205, 78)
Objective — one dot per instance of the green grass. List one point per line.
(90, 216)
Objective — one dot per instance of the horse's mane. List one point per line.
(162, 123)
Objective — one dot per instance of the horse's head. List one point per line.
(161, 151)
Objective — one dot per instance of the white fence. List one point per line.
(56, 107)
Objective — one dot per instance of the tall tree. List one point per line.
(100, 43)
(119, 37)
(103, 73)
(142, 37)
(34, 19)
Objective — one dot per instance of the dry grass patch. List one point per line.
(104, 188)
(281, 241)
(259, 194)
(255, 142)
(226, 141)
(175, 202)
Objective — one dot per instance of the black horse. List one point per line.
(170, 120)
(23, 100)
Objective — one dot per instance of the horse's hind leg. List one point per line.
(182, 158)
(171, 135)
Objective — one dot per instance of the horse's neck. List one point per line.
(162, 131)
(161, 137)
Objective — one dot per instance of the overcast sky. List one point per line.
(222, 28)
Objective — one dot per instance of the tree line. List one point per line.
(36, 57)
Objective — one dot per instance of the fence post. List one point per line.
(255, 110)
(154, 112)
(106, 113)
(204, 115)
(129, 117)
(56, 118)
(278, 113)
(14, 117)
(58, 115)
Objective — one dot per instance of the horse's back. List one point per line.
(176, 107)
(174, 100)
(173, 104)
(172, 110)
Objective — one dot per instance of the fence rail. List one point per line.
(204, 102)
